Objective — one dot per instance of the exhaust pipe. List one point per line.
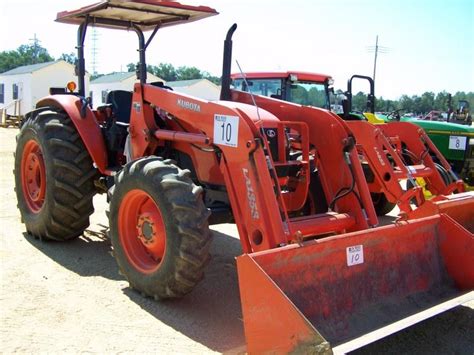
(226, 65)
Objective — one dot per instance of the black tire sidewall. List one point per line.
(34, 221)
(185, 222)
(69, 177)
(167, 267)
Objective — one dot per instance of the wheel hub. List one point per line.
(146, 229)
(33, 175)
(142, 231)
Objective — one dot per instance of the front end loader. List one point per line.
(400, 161)
(315, 274)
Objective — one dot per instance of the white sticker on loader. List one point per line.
(355, 255)
(226, 130)
(457, 142)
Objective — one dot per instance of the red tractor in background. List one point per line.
(390, 153)
(172, 164)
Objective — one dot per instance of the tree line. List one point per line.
(27, 54)
(415, 104)
(168, 72)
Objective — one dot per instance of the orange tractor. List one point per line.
(391, 153)
(311, 278)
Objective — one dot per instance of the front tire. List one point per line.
(53, 177)
(158, 228)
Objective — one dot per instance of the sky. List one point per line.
(429, 44)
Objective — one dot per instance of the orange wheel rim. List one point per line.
(141, 231)
(33, 176)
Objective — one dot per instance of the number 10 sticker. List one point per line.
(226, 130)
(355, 255)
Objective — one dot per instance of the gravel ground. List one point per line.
(69, 297)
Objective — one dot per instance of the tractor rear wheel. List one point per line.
(381, 204)
(158, 228)
(53, 177)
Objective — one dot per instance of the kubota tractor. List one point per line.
(391, 152)
(311, 279)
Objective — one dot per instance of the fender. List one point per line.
(87, 127)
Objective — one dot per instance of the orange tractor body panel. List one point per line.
(87, 127)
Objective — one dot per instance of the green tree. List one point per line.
(359, 102)
(168, 72)
(165, 71)
(131, 67)
(188, 73)
(427, 101)
(441, 101)
(71, 58)
(214, 79)
(24, 55)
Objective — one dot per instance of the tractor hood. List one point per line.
(145, 14)
(443, 127)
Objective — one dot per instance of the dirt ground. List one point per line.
(69, 297)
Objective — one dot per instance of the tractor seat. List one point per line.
(121, 102)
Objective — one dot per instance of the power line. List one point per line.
(376, 50)
(36, 48)
(94, 50)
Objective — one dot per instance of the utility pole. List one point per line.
(94, 50)
(36, 46)
(376, 49)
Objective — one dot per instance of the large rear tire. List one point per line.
(53, 177)
(158, 228)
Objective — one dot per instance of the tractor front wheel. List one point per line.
(158, 228)
(54, 177)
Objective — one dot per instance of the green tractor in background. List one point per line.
(453, 138)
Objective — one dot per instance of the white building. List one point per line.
(101, 86)
(22, 87)
(201, 88)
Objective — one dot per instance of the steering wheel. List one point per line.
(394, 115)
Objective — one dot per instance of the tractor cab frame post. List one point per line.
(81, 64)
(370, 96)
(142, 47)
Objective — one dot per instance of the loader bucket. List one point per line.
(459, 207)
(340, 293)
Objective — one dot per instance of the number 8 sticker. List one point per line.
(226, 130)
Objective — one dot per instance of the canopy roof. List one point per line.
(146, 14)
(302, 76)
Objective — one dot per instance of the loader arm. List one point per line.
(243, 165)
(418, 143)
(329, 135)
(246, 165)
(381, 146)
